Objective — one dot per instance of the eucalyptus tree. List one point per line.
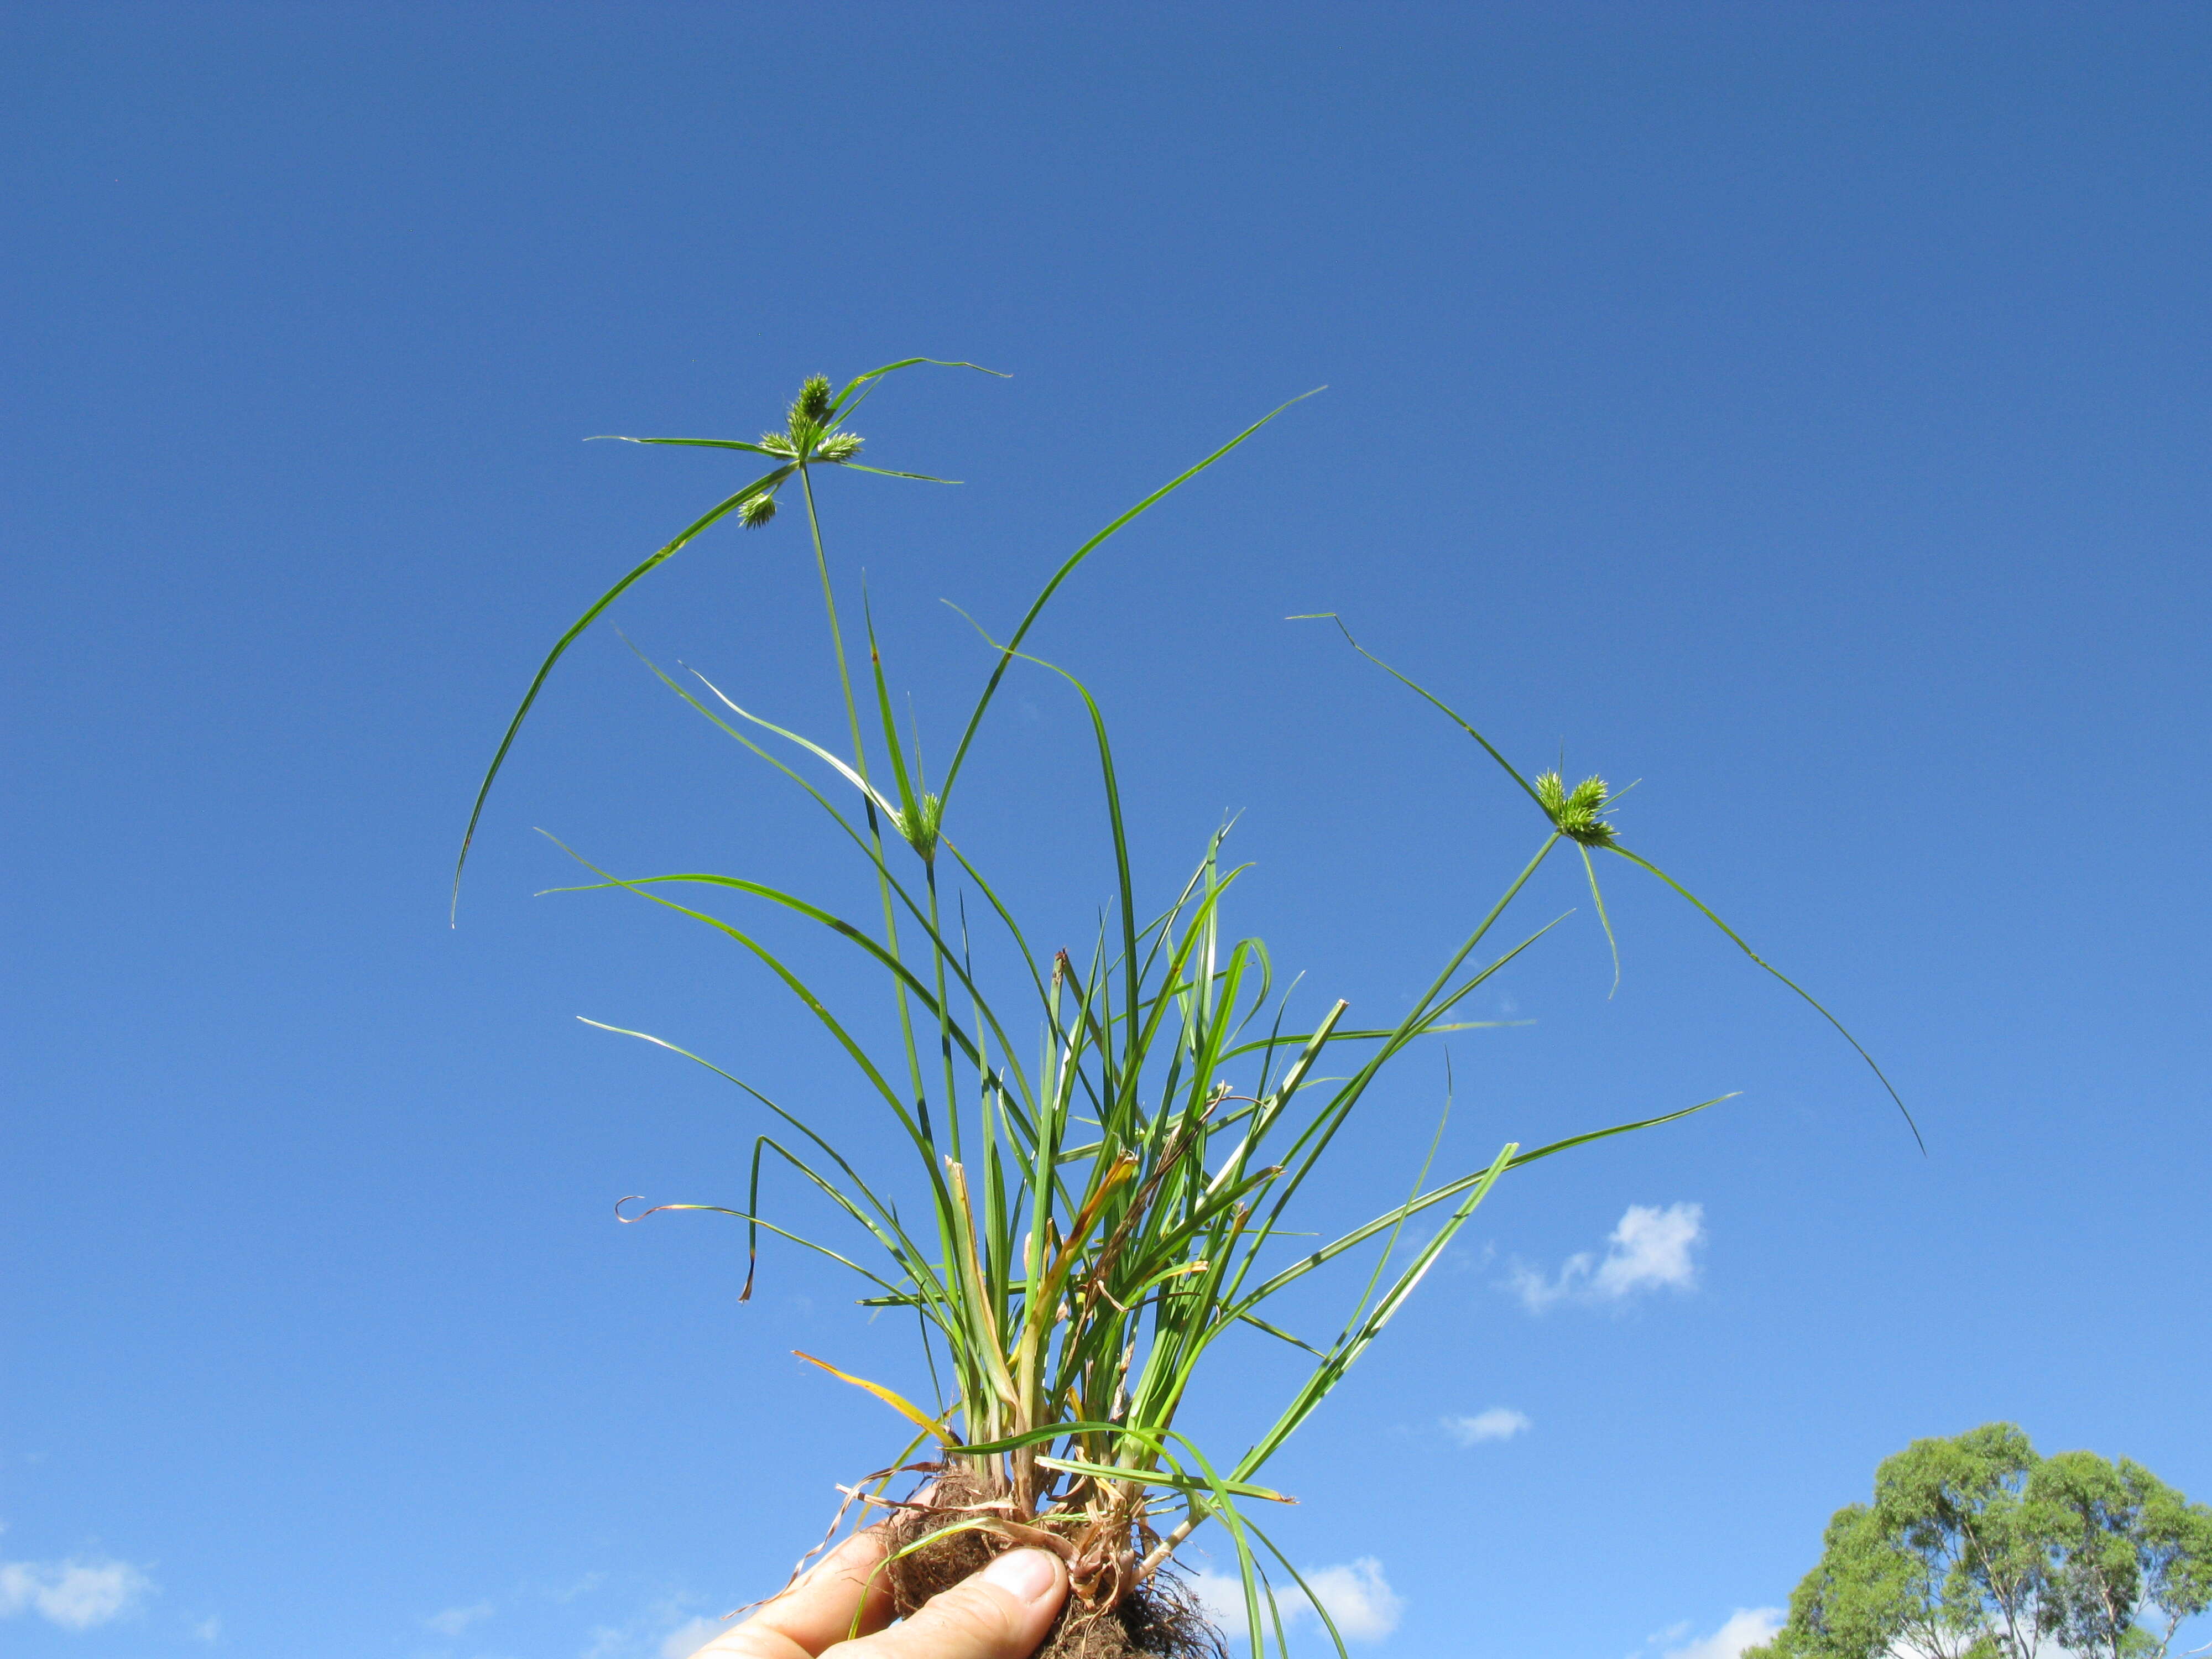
(1976, 1548)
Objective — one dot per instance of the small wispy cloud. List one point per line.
(208, 1630)
(1358, 1598)
(76, 1594)
(1651, 1249)
(1499, 1423)
(453, 1620)
(1460, 1259)
(1746, 1627)
(667, 1626)
(687, 1639)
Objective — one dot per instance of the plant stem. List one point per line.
(875, 827)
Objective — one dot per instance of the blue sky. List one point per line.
(1802, 409)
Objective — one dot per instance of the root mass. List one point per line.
(1158, 1618)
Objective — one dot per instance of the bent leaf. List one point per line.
(897, 1402)
(719, 510)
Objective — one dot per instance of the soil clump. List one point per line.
(1161, 1619)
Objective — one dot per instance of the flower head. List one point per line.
(1576, 813)
(810, 431)
(921, 826)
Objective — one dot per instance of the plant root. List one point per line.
(1158, 1618)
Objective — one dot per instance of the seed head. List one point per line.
(1576, 813)
(757, 511)
(838, 447)
(919, 827)
(779, 443)
(809, 413)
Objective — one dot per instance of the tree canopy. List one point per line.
(1977, 1547)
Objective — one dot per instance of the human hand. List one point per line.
(1001, 1612)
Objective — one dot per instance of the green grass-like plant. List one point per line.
(1111, 1147)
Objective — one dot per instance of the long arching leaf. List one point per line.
(722, 509)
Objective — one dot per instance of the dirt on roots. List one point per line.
(1161, 1619)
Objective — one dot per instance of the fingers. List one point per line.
(818, 1611)
(1002, 1612)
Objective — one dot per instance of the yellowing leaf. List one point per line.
(898, 1403)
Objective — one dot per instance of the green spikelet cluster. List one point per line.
(1576, 813)
(919, 825)
(808, 435)
(809, 431)
(806, 421)
(812, 405)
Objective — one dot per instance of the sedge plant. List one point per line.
(1109, 1148)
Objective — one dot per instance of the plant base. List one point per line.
(1160, 1620)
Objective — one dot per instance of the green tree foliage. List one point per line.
(1976, 1548)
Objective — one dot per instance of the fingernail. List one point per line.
(1025, 1574)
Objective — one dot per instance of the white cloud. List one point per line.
(663, 1627)
(453, 1620)
(1221, 1595)
(208, 1630)
(1746, 1627)
(1358, 1598)
(1357, 1594)
(75, 1594)
(1650, 1248)
(1499, 1423)
(687, 1639)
